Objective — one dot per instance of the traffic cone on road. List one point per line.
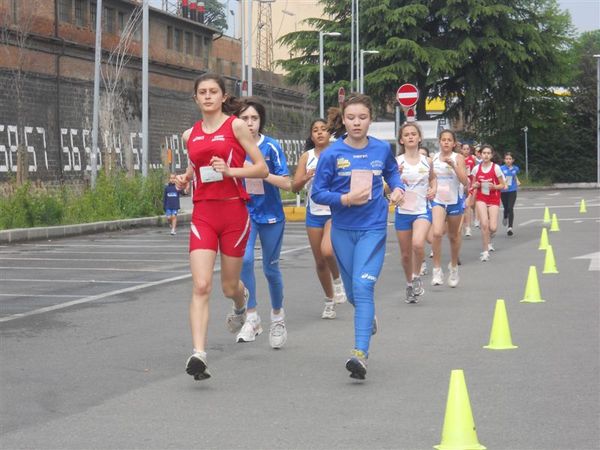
(500, 338)
(459, 427)
(543, 239)
(532, 288)
(554, 226)
(582, 207)
(546, 216)
(549, 262)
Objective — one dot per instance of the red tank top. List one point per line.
(222, 143)
(493, 198)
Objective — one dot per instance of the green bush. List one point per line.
(116, 196)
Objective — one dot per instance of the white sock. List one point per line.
(252, 315)
(203, 354)
(337, 281)
(278, 317)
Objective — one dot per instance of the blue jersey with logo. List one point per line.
(332, 180)
(512, 173)
(171, 197)
(267, 207)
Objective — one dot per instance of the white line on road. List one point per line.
(101, 245)
(553, 206)
(89, 259)
(83, 252)
(27, 280)
(92, 298)
(39, 295)
(566, 219)
(92, 269)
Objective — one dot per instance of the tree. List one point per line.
(480, 55)
(215, 15)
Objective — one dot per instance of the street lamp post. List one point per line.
(321, 93)
(525, 129)
(597, 120)
(361, 86)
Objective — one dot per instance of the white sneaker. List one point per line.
(233, 321)
(339, 293)
(196, 366)
(485, 256)
(467, 231)
(453, 277)
(250, 329)
(329, 311)
(491, 247)
(173, 232)
(418, 288)
(277, 334)
(437, 276)
(424, 270)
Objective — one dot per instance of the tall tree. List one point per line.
(215, 15)
(481, 55)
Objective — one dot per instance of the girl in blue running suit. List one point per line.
(349, 178)
(267, 221)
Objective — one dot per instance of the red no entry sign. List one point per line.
(407, 95)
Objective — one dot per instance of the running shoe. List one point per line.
(491, 247)
(437, 277)
(329, 311)
(485, 256)
(339, 293)
(424, 270)
(173, 232)
(375, 326)
(418, 286)
(277, 334)
(476, 223)
(357, 365)
(505, 221)
(453, 277)
(410, 295)
(250, 329)
(509, 231)
(235, 321)
(431, 254)
(467, 231)
(196, 366)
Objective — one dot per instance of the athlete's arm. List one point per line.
(302, 176)
(280, 176)
(181, 181)
(501, 178)
(461, 170)
(431, 191)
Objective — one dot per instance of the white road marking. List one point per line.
(566, 219)
(91, 269)
(554, 194)
(67, 252)
(39, 295)
(553, 206)
(594, 260)
(27, 280)
(578, 221)
(100, 245)
(92, 298)
(88, 259)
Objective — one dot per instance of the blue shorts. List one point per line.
(170, 212)
(314, 221)
(404, 222)
(452, 210)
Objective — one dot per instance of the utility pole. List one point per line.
(96, 112)
(145, 39)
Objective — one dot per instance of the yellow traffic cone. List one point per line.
(554, 226)
(532, 288)
(549, 262)
(459, 431)
(500, 338)
(543, 239)
(582, 207)
(546, 215)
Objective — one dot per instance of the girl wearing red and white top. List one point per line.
(470, 163)
(488, 181)
(217, 147)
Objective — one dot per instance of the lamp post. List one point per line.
(321, 94)
(361, 86)
(525, 129)
(597, 120)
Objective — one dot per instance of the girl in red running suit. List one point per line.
(488, 181)
(217, 146)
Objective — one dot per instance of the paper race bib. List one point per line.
(443, 193)
(410, 201)
(485, 187)
(361, 179)
(210, 175)
(509, 179)
(255, 186)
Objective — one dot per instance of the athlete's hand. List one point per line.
(359, 197)
(181, 182)
(430, 193)
(309, 174)
(447, 160)
(475, 185)
(219, 165)
(397, 196)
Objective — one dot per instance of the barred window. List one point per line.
(65, 10)
(80, 12)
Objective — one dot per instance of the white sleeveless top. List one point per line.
(416, 179)
(448, 184)
(314, 208)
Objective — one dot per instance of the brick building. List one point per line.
(46, 86)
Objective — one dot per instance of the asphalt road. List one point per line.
(94, 337)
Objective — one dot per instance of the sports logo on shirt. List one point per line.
(343, 163)
(218, 137)
(376, 164)
(198, 138)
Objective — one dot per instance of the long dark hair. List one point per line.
(231, 103)
(309, 144)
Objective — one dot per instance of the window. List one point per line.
(93, 16)
(235, 69)
(189, 43)
(121, 21)
(15, 11)
(206, 48)
(65, 10)
(177, 40)
(109, 20)
(80, 12)
(198, 46)
(220, 66)
(170, 38)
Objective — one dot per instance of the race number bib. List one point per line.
(210, 175)
(255, 186)
(362, 179)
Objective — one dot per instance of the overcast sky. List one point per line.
(585, 14)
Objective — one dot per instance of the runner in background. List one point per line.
(509, 195)
(467, 152)
(413, 216)
(447, 207)
(268, 222)
(217, 147)
(349, 178)
(488, 181)
(318, 219)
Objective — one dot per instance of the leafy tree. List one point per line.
(215, 15)
(483, 56)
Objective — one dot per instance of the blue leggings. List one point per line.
(271, 238)
(360, 257)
